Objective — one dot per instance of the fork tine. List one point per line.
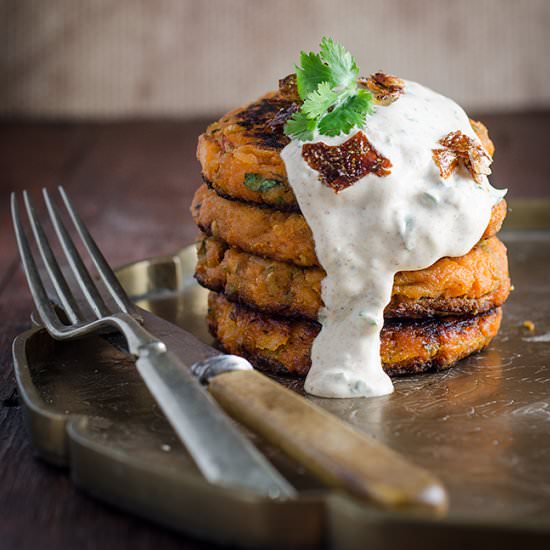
(103, 268)
(59, 282)
(80, 271)
(39, 295)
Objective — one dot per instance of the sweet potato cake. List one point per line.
(242, 149)
(266, 220)
(280, 235)
(470, 284)
(262, 264)
(258, 254)
(408, 346)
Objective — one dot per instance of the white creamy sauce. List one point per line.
(378, 226)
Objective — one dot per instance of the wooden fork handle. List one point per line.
(331, 449)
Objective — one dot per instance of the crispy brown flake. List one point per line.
(386, 88)
(460, 148)
(340, 166)
(446, 160)
(288, 87)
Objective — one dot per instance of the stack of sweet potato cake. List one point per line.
(257, 256)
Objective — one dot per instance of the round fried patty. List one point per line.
(248, 140)
(470, 284)
(283, 236)
(408, 346)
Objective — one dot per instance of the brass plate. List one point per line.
(483, 427)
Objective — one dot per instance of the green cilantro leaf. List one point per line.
(347, 116)
(300, 126)
(256, 182)
(311, 73)
(341, 63)
(320, 101)
(332, 101)
(362, 101)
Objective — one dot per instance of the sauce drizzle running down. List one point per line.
(367, 232)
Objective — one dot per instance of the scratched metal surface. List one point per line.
(483, 426)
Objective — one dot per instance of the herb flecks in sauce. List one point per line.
(340, 166)
(460, 148)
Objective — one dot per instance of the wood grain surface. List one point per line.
(132, 183)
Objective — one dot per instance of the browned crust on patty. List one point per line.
(249, 140)
(408, 346)
(470, 284)
(245, 141)
(282, 236)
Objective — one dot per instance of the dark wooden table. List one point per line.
(133, 182)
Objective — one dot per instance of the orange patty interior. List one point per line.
(407, 347)
(282, 236)
(469, 284)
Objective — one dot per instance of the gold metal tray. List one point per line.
(483, 427)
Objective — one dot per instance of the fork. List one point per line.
(222, 453)
(329, 448)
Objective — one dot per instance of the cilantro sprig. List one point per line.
(333, 103)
